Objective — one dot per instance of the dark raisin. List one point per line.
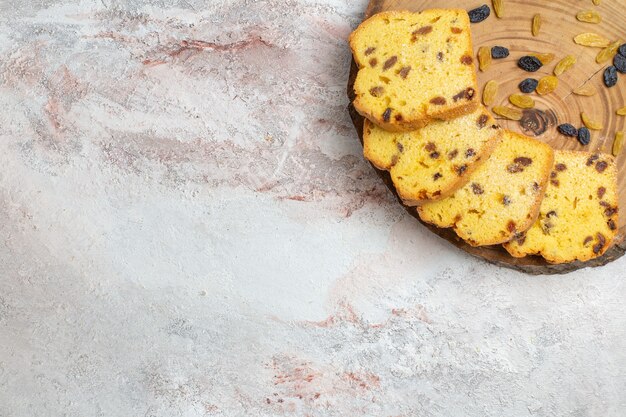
(430, 146)
(434, 155)
(529, 63)
(610, 76)
(584, 136)
(560, 167)
(611, 224)
(404, 72)
(482, 121)
(567, 130)
(370, 50)
(390, 63)
(373, 62)
(601, 166)
(440, 56)
(467, 60)
(398, 117)
(528, 85)
(477, 189)
(479, 14)
(460, 170)
(601, 192)
(377, 91)
(437, 176)
(400, 147)
(587, 240)
(524, 161)
(499, 52)
(551, 214)
(439, 101)
(593, 158)
(470, 152)
(511, 226)
(620, 63)
(622, 50)
(387, 115)
(506, 200)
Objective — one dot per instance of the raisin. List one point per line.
(467, 60)
(404, 72)
(610, 76)
(514, 168)
(547, 85)
(584, 136)
(529, 63)
(564, 65)
(618, 143)
(588, 16)
(430, 146)
(437, 176)
(377, 91)
(510, 113)
(425, 30)
(601, 192)
(470, 152)
(522, 101)
(620, 63)
(551, 213)
(587, 240)
(439, 101)
(567, 129)
(536, 25)
(370, 50)
(479, 14)
(434, 155)
(592, 39)
(482, 121)
(528, 85)
(622, 50)
(523, 160)
(440, 56)
(373, 62)
(585, 90)
(499, 52)
(477, 189)
(601, 166)
(560, 167)
(607, 53)
(460, 170)
(593, 158)
(398, 117)
(590, 123)
(544, 58)
(506, 200)
(387, 114)
(511, 226)
(390, 63)
(484, 58)
(453, 154)
(611, 224)
(498, 7)
(490, 91)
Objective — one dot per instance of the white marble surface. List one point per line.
(188, 229)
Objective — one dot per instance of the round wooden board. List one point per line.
(513, 31)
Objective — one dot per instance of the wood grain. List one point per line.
(513, 31)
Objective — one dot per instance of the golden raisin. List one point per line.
(596, 2)
(522, 101)
(537, 21)
(585, 90)
(508, 112)
(544, 58)
(608, 53)
(498, 7)
(484, 58)
(564, 65)
(547, 85)
(618, 143)
(589, 123)
(591, 39)
(621, 112)
(589, 16)
(490, 91)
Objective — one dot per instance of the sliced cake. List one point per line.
(578, 215)
(502, 197)
(434, 161)
(414, 68)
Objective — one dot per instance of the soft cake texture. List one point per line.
(414, 68)
(578, 215)
(432, 162)
(502, 197)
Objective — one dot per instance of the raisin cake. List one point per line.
(578, 216)
(434, 161)
(414, 68)
(502, 197)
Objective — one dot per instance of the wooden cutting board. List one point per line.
(513, 31)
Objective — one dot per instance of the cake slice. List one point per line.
(414, 68)
(432, 162)
(578, 215)
(502, 197)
